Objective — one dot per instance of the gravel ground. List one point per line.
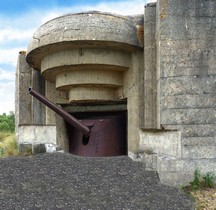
(63, 181)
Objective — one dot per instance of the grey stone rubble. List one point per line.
(64, 181)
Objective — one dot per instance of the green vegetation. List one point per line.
(209, 180)
(8, 145)
(203, 190)
(7, 122)
(195, 184)
(201, 182)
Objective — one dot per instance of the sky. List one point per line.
(19, 19)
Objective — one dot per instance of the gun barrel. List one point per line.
(66, 116)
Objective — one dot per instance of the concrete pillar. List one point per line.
(23, 102)
(151, 94)
(38, 84)
(133, 91)
(50, 94)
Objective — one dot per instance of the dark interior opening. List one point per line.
(85, 140)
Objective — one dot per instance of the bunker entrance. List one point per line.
(108, 134)
(92, 134)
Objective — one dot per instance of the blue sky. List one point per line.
(20, 18)
(15, 7)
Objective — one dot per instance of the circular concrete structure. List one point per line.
(85, 54)
(90, 29)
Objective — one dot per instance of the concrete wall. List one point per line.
(186, 42)
(27, 108)
(186, 88)
(30, 114)
(22, 98)
(37, 134)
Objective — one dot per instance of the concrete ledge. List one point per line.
(166, 143)
(69, 79)
(36, 134)
(83, 56)
(175, 172)
(89, 93)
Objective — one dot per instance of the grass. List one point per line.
(8, 145)
(203, 190)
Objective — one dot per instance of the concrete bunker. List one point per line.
(91, 60)
(158, 69)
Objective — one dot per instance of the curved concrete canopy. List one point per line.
(83, 30)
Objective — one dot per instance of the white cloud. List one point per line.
(15, 34)
(9, 56)
(127, 7)
(122, 7)
(7, 93)
(7, 75)
(50, 16)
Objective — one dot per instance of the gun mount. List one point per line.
(94, 134)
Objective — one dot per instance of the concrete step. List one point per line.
(174, 171)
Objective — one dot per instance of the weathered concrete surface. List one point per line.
(174, 172)
(185, 39)
(86, 74)
(62, 138)
(26, 107)
(34, 138)
(187, 65)
(186, 33)
(37, 134)
(164, 143)
(56, 96)
(38, 84)
(91, 29)
(93, 57)
(96, 107)
(23, 99)
(151, 74)
(84, 58)
(133, 91)
(28, 111)
(63, 181)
